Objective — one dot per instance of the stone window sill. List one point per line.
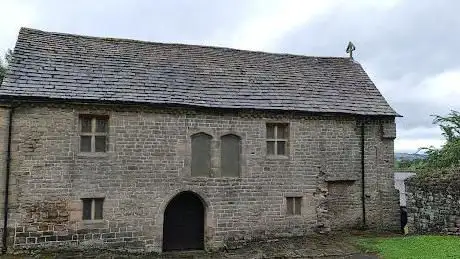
(277, 157)
(93, 221)
(295, 216)
(93, 154)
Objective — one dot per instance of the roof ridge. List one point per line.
(113, 39)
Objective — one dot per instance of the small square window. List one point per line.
(87, 204)
(281, 148)
(93, 134)
(293, 205)
(85, 143)
(270, 130)
(297, 205)
(101, 125)
(92, 208)
(100, 144)
(277, 139)
(290, 205)
(98, 208)
(85, 124)
(281, 132)
(271, 147)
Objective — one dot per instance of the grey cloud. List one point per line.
(422, 133)
(418, 114)
(164, 21)
(416, 38)
(412, 37)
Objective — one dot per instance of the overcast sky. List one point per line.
(410, 48)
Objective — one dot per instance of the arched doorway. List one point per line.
(183, 223)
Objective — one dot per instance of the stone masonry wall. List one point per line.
(344, 197)
(148, 163)
(433, 203)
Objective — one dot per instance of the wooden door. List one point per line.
(183, 225)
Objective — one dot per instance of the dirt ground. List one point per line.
(317, 246)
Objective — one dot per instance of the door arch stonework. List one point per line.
(184, 223)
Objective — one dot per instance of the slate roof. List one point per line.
(73, 67)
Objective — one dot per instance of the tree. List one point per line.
(2, 71)
(4, 64)
(449, 154)
(409, 164)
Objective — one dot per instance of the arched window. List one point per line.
(230, 155)
(201, 154)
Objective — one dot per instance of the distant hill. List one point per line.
(408, 156)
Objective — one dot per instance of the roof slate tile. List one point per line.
(74, 67)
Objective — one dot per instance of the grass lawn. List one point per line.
(412, 246)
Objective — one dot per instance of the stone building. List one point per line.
(118, 143)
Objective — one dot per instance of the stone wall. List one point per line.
(148, 163)
(433, 202)
(344, 197)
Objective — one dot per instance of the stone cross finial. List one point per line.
(350, 49)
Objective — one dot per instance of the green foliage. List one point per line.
(409, 164)
(445, 178)
(2, 71)
(450, 125)
(4, 63)
(412, 246)
(449, 154)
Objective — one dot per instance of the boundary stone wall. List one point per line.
(433, 202)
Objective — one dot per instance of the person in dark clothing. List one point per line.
(403, 211)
